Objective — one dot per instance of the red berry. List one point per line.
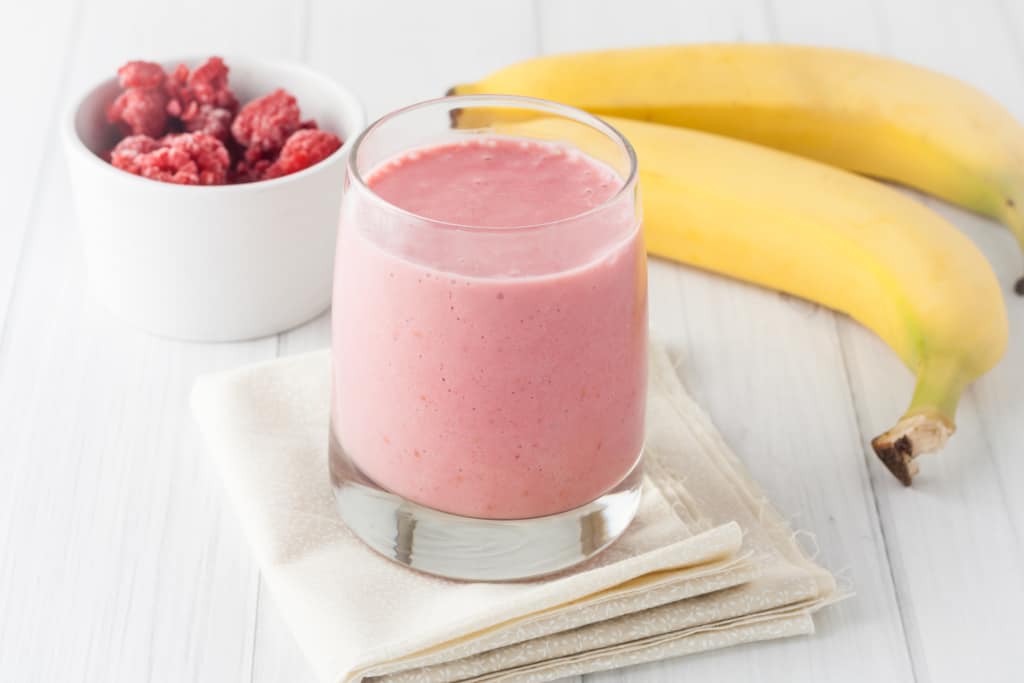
(249, 171)
(303, 149)
(184, 158)
(211, 120)
(125, 155)
(140, 74)
(209, 85)
(263, 125)
(176, 87)
(266, 139)
(197, 94)
(140, 111)
(179, 75)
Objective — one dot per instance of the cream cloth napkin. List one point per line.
(707, 563)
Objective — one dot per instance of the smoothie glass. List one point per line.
(489, 334)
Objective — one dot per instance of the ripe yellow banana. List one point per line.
(865, 113)
(829, 236)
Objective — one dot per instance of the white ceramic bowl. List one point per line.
(212, 263)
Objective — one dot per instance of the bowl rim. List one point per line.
(351, 106)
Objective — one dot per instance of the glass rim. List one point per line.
(512, 101)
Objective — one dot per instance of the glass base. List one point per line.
(474, 549)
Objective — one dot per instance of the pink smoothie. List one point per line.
(496, 374)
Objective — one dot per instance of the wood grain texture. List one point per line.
(393, 52)
(962, 506)
(120, 560)
(42, 36)
(119, 557)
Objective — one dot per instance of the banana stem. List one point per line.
(1013, 218)
(912, 436)
(927, 424)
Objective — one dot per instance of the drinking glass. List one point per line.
(489, 380)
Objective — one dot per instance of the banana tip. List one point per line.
(1019, 287)
(912, 436)
(897, 457)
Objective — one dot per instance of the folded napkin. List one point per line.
(708, 562)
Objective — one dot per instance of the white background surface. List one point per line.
(119, 559)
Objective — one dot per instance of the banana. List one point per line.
(861, 112)
(820, 233)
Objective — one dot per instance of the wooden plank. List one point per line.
(128, 563)
(316, 334)
(854, 25)
(993, 39)
(769, 370)
(393, 53)
(35, 39)
(571, 25)
(277, 657)
(991, 34)
(954, 546)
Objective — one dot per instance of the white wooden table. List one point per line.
(119, 557)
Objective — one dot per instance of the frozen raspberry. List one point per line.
(209, 85)
(249, 171)
(263, 125)
(265, 139)
(178, 94)
(185, 158)
(206, 86)
(140, 74)
(140, 111)
(303, 149)
(125, 155)
(211, 120)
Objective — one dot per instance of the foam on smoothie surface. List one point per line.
(495, 182)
